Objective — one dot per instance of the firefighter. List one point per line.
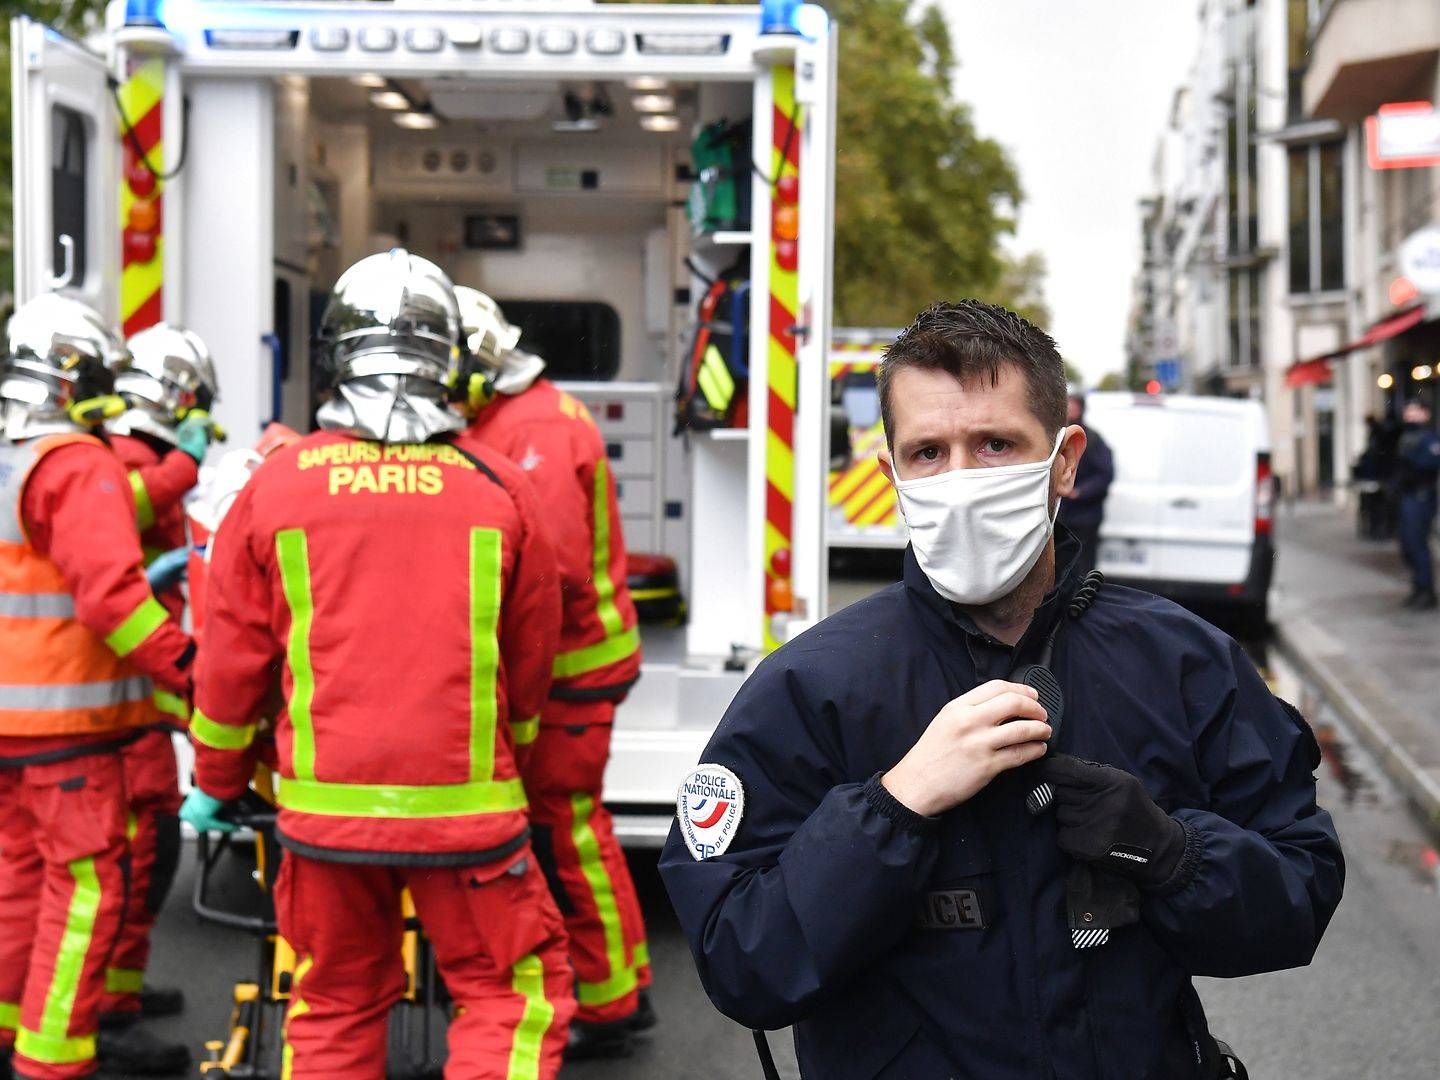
(551, 436)
(86, 647)
(399, 581)
(169, 388)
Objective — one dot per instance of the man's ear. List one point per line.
(1068, 460)
(887, 464)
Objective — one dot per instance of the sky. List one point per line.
(1077, 91)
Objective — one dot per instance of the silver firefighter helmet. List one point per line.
(391, 314)
(59, 352)
(390, 351)
(171, 373)
(494, 342)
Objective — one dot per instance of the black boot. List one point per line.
(130, 1050)
(643, 1018)
(1424, 601)
(158, 1001)
(155, 1002)
(590, 1041)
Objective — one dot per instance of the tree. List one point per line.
(1112, 380)
(923, 200)
(75, 17)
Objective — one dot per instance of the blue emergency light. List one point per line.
(779, 16)
(144, 13)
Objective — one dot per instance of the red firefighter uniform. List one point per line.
(86, 646)
(159, 478)
(411, 603)
(552, 438)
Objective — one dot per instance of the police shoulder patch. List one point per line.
(709, 806)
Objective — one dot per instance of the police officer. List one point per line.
(1083, 510)
(872, 849)
(553, 439)
(1419, 460)
(85, 647)
(404, 584)
(169, 386)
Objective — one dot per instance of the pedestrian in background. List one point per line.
(1418, 468)
(1083, 510)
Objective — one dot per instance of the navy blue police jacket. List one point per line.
(902, 946)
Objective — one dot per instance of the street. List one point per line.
(1364, 1008)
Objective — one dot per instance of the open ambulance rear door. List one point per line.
(67, 153)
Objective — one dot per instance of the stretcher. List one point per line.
(253, 1046)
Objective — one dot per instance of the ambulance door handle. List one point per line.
(277, 374)
(59, 281)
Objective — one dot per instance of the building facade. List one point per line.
(1292, 291)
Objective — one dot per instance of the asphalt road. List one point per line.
(1366, 1008)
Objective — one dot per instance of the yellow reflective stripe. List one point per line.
(123, 981)
(144, 510)
(132, 825)
(525, 732)
(171, 704)
(484, 650)
(297, 1008)
(604, 584)
(601, 654)
(142, 622)
(384, 800)
(622, 978)
(642, 954)
(293, 556)
(220, 736)
(528, 980)
(9, 1015)
(50, 1045)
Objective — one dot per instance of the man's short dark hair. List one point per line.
(972, 340)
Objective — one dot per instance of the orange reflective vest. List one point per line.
(57, 677)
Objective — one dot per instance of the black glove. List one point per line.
(1106, 817)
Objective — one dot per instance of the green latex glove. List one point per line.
(203, 811)
(193, 435)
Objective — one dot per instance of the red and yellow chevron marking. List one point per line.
(141, 275)
(781, 373)
(861, 492)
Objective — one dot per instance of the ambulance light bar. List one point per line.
(252, 39)
(682, 44)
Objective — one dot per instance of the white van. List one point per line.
(1189, 515)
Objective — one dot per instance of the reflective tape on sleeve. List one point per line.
(172, 705)
(220, 736)
(525, 732)
(143, 621)
(144, 509)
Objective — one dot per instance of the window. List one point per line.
(1317, 218)
(1243, 316)
(1242, 195)
(578, 339)
(68, 178)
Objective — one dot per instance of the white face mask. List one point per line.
(978, 532)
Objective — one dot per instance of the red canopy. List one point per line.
(1317, 368)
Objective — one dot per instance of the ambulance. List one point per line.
(862, 511)
(593, 167)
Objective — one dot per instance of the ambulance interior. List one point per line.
(566, 201)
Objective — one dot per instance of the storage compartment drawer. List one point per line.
(633, 458)
(621, 417)
(637, 497)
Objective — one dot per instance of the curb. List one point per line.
(1297, 638)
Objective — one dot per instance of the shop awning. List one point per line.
(1317, 368)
